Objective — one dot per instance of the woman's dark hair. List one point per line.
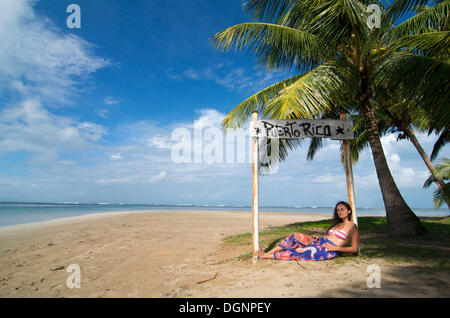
(336, 220)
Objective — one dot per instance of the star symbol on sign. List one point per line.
(339, 130)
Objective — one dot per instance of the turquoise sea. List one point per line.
(18, 213)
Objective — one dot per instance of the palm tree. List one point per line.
(398, 117)
(402, 113)
(403, 124)
(343, 66)
(441, 195)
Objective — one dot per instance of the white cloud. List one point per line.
(190, 73)
(369, 181)
(133, 179)
(394, 158)
(66, 162)
(208, 118)
(43, 66)
(110, 100)
(116, 156)
(36, 58)
(234, 79)
(171, 74)
(328, 178)
(157, 178)
(133, 169)
(406, 174)
(102, 112)
(29, 127)
(161, 142)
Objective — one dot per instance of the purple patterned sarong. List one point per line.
(313, 250)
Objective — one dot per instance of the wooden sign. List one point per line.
(302, 128)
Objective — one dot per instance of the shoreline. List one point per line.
(105, 215)
(97, 215)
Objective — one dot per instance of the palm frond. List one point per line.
(443, 168)
(274, 45)
(422, 80)
(400, 7)
(440, 195)
(443, 171)
(430, 180)
(431, 19)
(443, 139)
(315, 93)
(242, 112)
(436, 44)
(268, 10)
(339, 22)
(438, 198)
(273, 151)
(315, 145)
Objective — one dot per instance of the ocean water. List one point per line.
(19, 213)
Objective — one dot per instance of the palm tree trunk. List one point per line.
(438, 180)
(401, 219)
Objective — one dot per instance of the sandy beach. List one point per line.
(166, 254)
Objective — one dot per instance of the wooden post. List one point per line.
(349, 176)
(255, 194)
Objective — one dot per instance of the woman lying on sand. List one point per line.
(298, 246)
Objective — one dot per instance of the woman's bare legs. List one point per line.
(263, 255)
(269, 254)
(266, 255)
(278, 248)
(275, 249)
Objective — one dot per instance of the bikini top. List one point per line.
(340, 233)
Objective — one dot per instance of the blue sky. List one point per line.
(87, 115)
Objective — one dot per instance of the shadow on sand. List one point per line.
(421, 264)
